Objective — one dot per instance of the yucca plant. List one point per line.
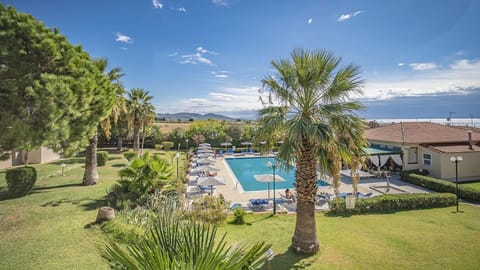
(179, 243)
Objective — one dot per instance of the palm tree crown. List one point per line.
(141, 110)
(309, 105)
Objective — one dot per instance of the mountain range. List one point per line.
(184, 116)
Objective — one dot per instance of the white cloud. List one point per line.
(198, 57)
(182, 9)
(401, 64)
(220, 2)
(123, 38)
(423, 66)
(157, 4)
(348, 16)
(220, 74)
(222, 100)
(173, 54)
(457, 78)
(310, 21)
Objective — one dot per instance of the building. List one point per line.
(428, 146)
(37, 156)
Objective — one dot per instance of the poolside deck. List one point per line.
(234, 193)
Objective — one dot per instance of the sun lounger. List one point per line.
(205, 188)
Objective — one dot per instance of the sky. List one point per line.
(419, 59)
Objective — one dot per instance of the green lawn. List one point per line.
(421, 239)
(47, 230)
(475, 185)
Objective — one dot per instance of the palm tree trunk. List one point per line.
(136, 133)
(120, 143)
(305, 238)
(90, 176)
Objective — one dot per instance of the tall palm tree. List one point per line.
(140, 109)
(309, 102)
(90, 176)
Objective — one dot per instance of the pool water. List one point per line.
(245, 169)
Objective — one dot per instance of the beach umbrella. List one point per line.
(205, 161)
(268, 178)
(204, 151)
(207, 168)
(246, 143)
(211, 181)
(204, 168)
(226, 144)
(205, 155)
(204, 145)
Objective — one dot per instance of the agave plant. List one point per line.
(178, 243)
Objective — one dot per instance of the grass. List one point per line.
(48, 229)
(422, 239)
(475, 185)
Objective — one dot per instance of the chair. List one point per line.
(205, 188)
(258, 204)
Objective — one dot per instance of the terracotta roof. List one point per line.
(420, 132)
(457, 148)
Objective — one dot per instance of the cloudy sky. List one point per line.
(418, 58)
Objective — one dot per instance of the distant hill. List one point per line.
(183, 116)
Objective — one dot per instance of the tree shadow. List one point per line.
(291, 259)
(93, 204)
(55, 187)
(114, 158)
(77, 160)
(119, 165)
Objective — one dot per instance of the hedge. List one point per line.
(21, 180)
(102, 157)
(439, 185)
(393, 202)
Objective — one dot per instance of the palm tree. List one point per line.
(140, 109)
(90, 176)
(308, 102)
(177, 243)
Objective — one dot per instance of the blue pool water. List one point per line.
(245, 169)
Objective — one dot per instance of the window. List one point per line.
(427, 159)
(412, 155)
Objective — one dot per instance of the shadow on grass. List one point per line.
(55, 187)
(251, 222)
(77, 160)
(93, 204)
(114, 158)
(291, 259)
(119, 165)
(5, 195)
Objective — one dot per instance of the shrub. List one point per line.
(394, 202)
(130, 155)
(167, 145)
(121, 231)
(439, 185)
(21, 180)
(239, 215)
(102, 157)
(209, 209)
(158, 147)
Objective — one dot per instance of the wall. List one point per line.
(468, 168)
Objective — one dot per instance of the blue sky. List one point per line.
(210, 55)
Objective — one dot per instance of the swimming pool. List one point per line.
(245, 169)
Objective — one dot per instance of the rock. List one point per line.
(105, 213)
